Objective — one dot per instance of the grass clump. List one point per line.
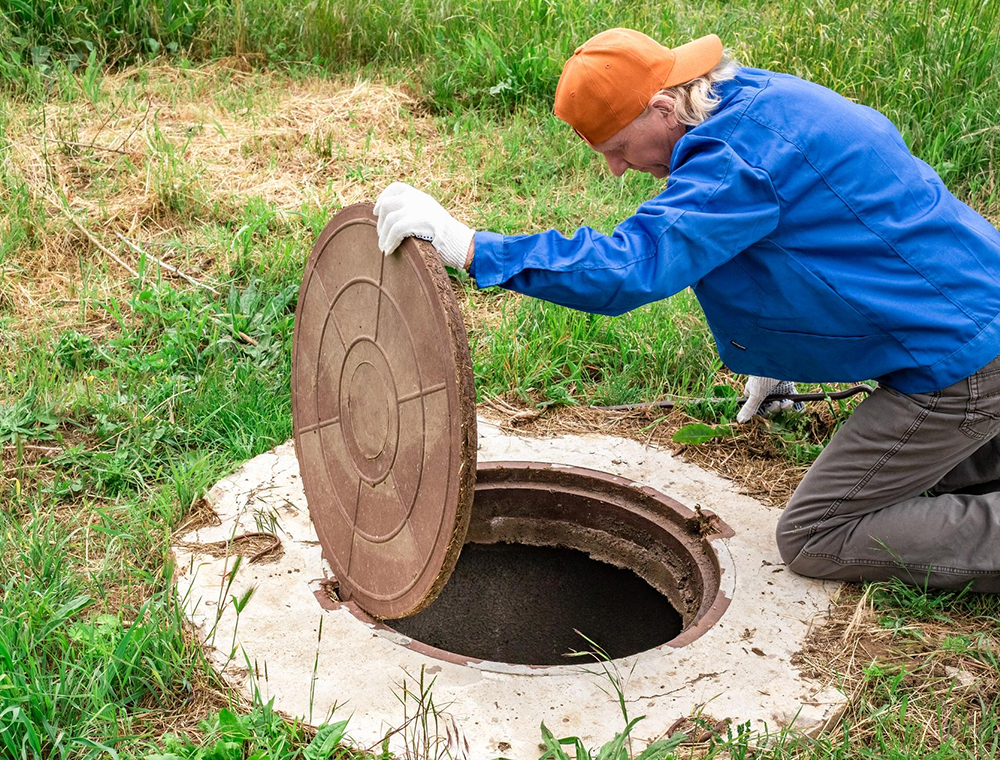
(930, 67)
(261, 733)
(71, 671)
(41, 37)
(112, 441)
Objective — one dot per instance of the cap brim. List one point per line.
(582, 137)
(694, 59)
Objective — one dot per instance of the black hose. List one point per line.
(670, 403)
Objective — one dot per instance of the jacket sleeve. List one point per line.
(714, 206)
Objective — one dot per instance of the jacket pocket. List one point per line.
(811, 358)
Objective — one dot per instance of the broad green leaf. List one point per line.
(230, 725)
(326, 741)
(696, 432)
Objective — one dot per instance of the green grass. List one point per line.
(123, 398)
(73, 673)
(262, 733)
(546, 354)
(930, 67)
(91, 634)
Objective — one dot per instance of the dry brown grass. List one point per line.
(256, 546)
(182, 715)
(27, 467)
(168, 151)
(942, 691)
(286, 146)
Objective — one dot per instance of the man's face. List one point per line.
(646, 144)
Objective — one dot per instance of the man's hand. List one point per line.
(403, 211)
(759, 388)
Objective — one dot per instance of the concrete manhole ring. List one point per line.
(310, 659)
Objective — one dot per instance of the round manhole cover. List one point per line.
(384, 413)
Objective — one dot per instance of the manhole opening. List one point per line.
(552, 550)
(526, 604)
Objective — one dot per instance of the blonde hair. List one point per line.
(694, 101)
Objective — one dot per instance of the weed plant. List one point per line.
(262, 733)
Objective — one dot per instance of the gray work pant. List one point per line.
(909, 487)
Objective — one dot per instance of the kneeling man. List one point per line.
(821, 250)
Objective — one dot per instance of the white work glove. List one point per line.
(759, 388)
(403, 211)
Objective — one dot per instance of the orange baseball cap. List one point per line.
(611, 77)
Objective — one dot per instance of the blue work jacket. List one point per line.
(819, 247)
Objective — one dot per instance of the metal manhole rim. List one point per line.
(715, 548)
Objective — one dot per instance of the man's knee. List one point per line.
(799, 530)
(792, 532)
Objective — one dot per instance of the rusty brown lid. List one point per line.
(384, 411)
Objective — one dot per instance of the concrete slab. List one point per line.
(311, 660)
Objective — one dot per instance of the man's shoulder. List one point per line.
(757, 90)
(786, 102)
(760, 109)
(766, 115)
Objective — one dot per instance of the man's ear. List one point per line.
(665, 104)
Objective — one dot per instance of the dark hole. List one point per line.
(520, 604)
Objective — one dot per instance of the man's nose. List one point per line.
(616, 165)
